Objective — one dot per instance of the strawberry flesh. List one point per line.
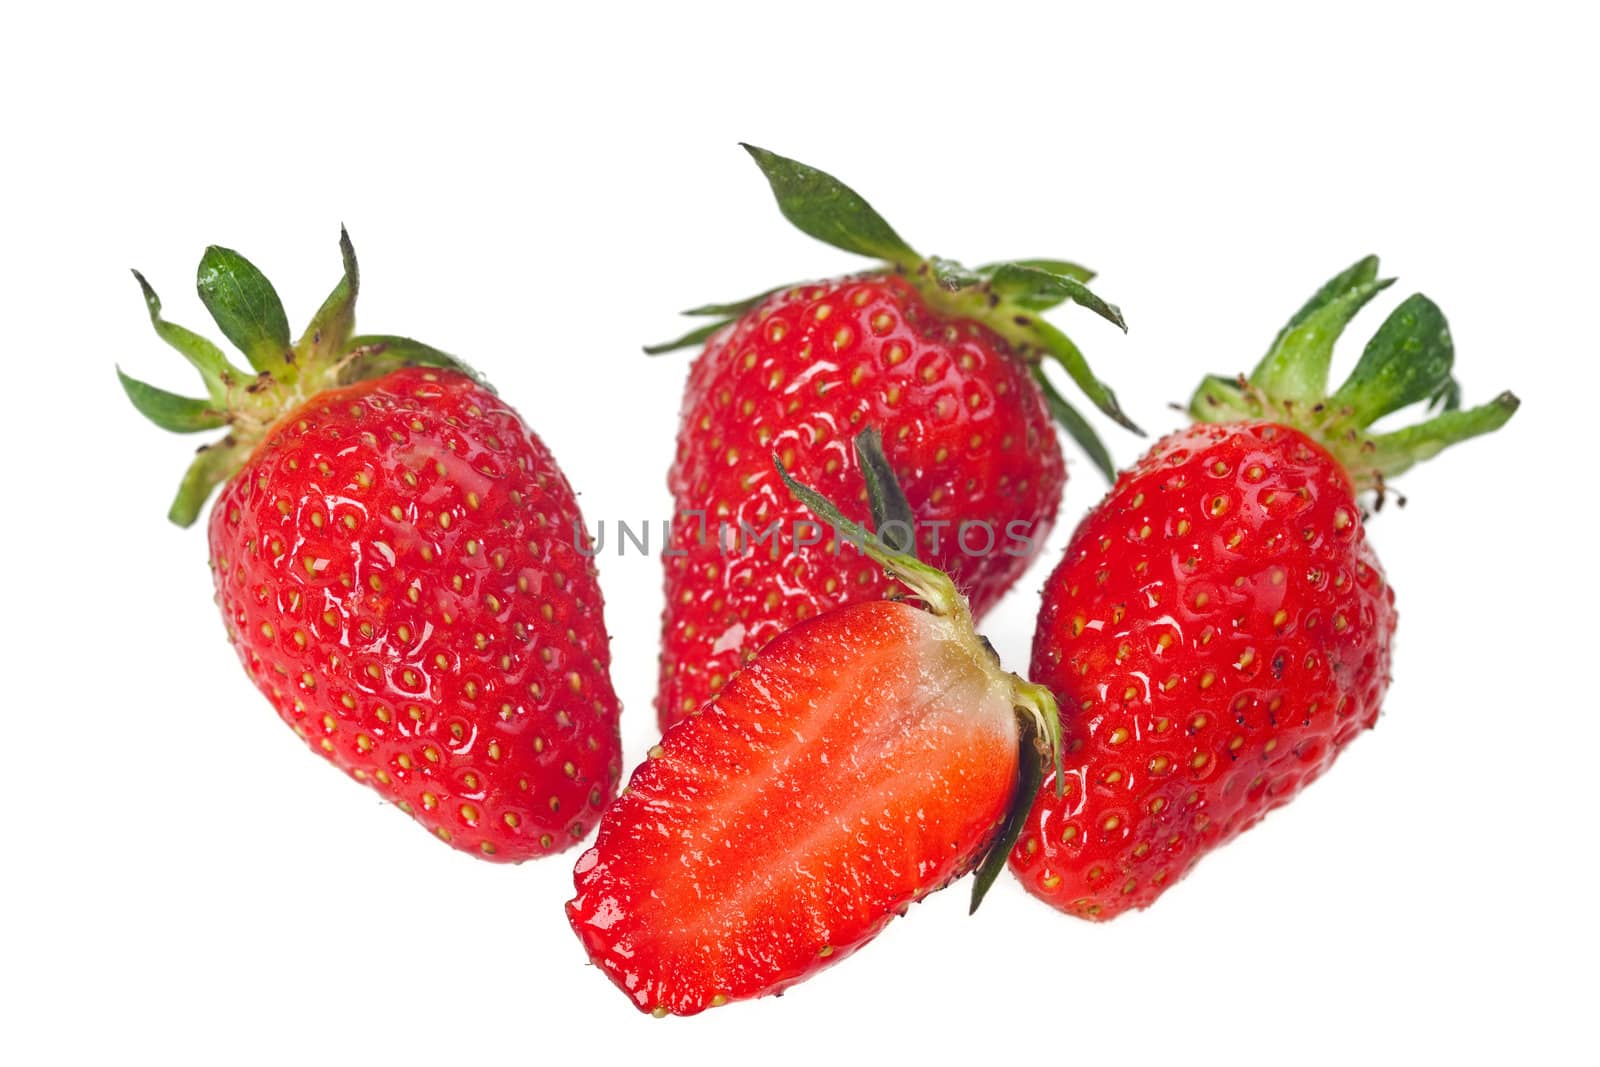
(864, 760)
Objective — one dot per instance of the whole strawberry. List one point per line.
(865, 758)
(948, 362)
(394, 558)
(1220, 629)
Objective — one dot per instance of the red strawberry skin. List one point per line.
(1218, 631)
(864, 760)
(397, 567)
(964, 427)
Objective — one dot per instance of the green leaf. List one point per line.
(180, 414)
(737, 308)
(930, 584)
(1059, 347)
(213, 465)
(696, 336)
(1407, 360)
(331, 327)
(247, 310)
(1296, 369)
(892, 517)
(1392, 453)
(1054, 266)
(1076, 426)
(1361, 272)
(1447, 397)
(374, 355)
(215, 369)
(1030, 776)
(825, 208)
(1037, 289)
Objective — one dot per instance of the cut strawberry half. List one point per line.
(864, 759)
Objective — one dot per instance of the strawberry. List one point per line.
(1219, 629)
(948, 362)
(865, 758)
(395, 563)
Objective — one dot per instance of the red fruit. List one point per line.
(943, 360)
(1220, 629)
(395, 562)
(864, 759)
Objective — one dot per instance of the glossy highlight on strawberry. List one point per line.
(394, 559)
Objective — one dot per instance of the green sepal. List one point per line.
(1220, 399)
(931, 585)
(1361, 272)
(1030, 777)
(1076, 271)
(725, 314)
(213, 465)
(214, 367)
(892, 517)
(328, 333)
(1296, 369)
(247, 311)
(698, 335)
(1038, 289)
(1407, 360)
(180, 414)
(1391, 453)
(1077, 427)
(374, 355)
(822, 206)
(1059, 346)
(738, 307)
(1447, 397)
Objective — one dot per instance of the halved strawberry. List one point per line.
(864, 759)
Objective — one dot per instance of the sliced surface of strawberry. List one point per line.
(864, 759)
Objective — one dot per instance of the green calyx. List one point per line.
(1007, 297)
(283, 373)
(1408, 361)
(894, 548)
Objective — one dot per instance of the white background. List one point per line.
(540, 194)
